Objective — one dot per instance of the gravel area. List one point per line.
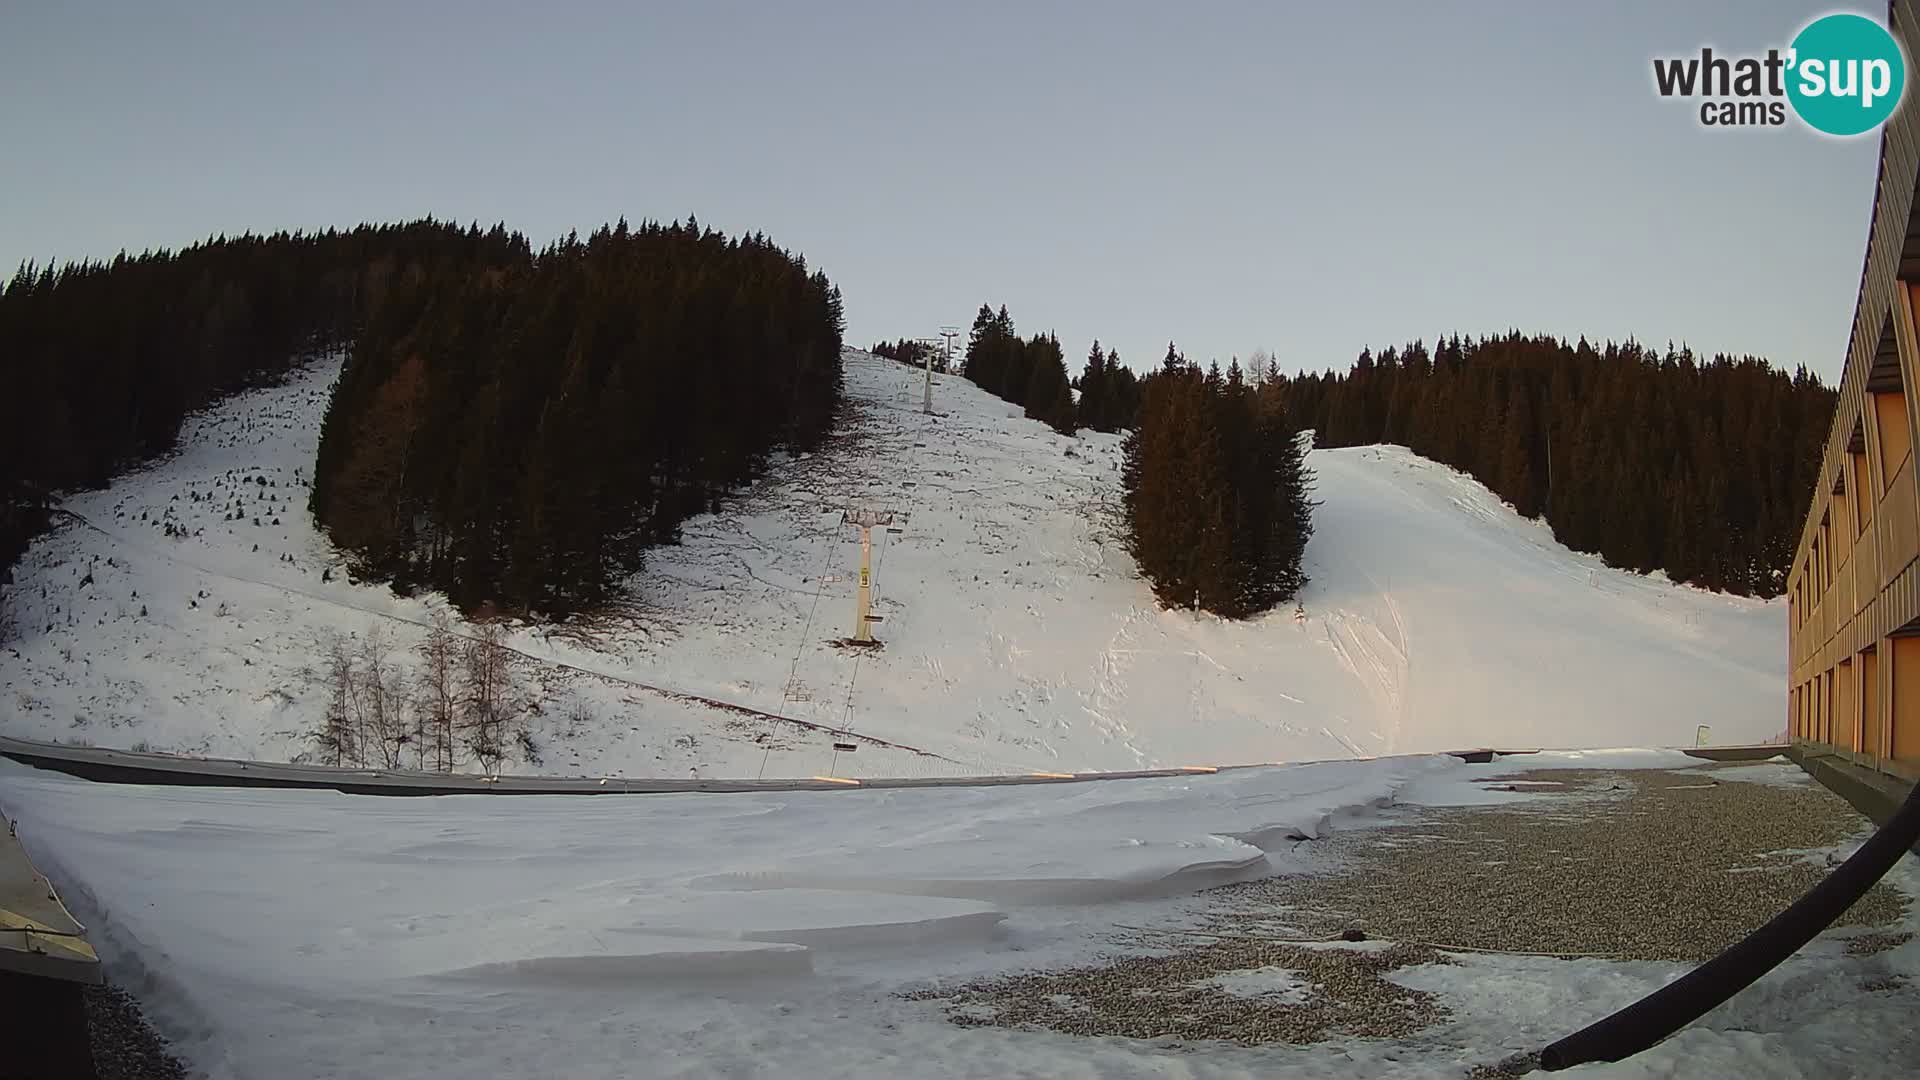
(1644, 865)
(1176, 997)
(125, 1046)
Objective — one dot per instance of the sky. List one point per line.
(1306, 179)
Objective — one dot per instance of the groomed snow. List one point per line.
(1018, 634)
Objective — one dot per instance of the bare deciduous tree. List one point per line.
(337, 738)
(492, 702)
(382, 700)
(438, 712)
(1260, 368)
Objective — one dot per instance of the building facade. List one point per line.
(1854, 590)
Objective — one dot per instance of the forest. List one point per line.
(102, 360)
(511, 427)
(919, 354)
(1217, 492)
(521, 436)
(1654, 460)
(1032, 373)
(517, 428)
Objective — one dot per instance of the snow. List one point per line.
(1018, 634)
(308, 933)
(1278, 984)
(1491, 782)
(295, 934)
(1811, 1016)
(269, 918)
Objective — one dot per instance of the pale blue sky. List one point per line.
(1305, 178)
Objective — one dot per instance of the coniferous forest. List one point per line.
(1109, 392)
(1217, 492)
(517, 427)
(102, 360)
(522, 436)
(510, 427)
(1653, 460)
(1032, 373)
(912, 353)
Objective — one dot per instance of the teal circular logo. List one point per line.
(1845, 74)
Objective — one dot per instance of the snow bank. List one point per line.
(272, 915)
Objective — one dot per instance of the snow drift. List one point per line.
(295, 933)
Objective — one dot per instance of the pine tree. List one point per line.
(1216, 493)
(1094, 392)
(1123, 394)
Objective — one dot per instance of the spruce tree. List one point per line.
(1094, 393)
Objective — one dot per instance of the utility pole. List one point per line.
(865, 520)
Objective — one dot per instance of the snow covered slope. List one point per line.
(1017, 633)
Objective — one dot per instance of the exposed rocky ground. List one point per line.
(125, 1046)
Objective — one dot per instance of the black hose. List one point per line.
(1687, 998)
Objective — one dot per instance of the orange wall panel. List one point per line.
(1870, 703)
(1845, 716)
(1906, 701)
(1890, 410)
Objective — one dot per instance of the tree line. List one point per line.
(102, 360)
(520, 437)
(1654, 460)
(1032, 373)
(913, 353)
(510, 426)
(1217, 493)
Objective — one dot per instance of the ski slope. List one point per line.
(185, 608)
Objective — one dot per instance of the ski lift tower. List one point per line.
(947, 334)
(926, 357)
(865, 520)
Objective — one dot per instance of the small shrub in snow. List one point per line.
(579, 717)
(529, 749)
